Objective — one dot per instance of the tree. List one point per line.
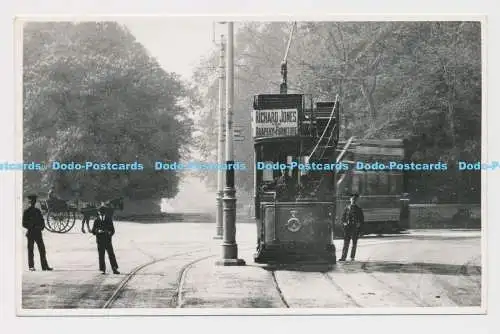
(419, 81)
(92, 93)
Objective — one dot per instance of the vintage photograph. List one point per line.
(223, 165)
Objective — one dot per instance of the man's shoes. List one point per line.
(103, 272)
(352, 259)
(116, 272)
(32, 269)
(47, 269)
(341, 260)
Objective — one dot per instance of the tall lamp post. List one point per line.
(220, 144)
(229, 246)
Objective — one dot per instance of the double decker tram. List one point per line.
(295, 144)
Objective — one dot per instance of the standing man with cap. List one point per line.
(352, 221)
(34, 223)
(104, 230)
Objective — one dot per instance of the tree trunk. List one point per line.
(368, 94)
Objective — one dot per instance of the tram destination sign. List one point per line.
(275, 123)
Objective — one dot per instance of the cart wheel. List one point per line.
(58, 221)
(70, 222)
(48, 225)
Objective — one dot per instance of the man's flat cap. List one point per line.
(32, 197)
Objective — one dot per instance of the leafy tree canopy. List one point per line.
(93, 93)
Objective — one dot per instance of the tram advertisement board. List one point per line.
(275, 123)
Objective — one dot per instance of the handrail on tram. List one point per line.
(344, 150)
(341, 155)
(326, 127)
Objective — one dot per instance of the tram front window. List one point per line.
(267, 174)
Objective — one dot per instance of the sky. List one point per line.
(177, 43)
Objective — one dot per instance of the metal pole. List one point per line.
(229, 246)
(220, 142)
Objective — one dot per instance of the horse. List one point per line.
(115, 204)
(92, 211)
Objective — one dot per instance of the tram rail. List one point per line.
(121, 286)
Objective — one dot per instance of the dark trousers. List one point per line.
(86, 219)
(350, 232)
(104, 244)
(33, 237)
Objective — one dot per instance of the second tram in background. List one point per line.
(383, 193)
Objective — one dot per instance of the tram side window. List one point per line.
(383, 183)
(396, 184)
(356, 183)
(371, 183)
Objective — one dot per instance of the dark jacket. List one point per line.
(33, 219)
(353, 216)
(103, 228)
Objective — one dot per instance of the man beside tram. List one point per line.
(352, 221)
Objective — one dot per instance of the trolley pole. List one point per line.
(229, 246)
(220, 143)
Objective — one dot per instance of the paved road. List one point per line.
(172, 266)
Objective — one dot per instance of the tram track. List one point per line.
(340, 289)
(331, 280)
(176, 300)
(177, 297)
(278, 289)
(123, 283)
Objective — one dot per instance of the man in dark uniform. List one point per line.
(34, 223)
(104, 230)
(352, 220)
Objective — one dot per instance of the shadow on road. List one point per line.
(381, 266)
(166, 218)
(302, 267)
(415, 268)
(386, 236)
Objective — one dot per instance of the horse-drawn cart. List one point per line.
(60, 216)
